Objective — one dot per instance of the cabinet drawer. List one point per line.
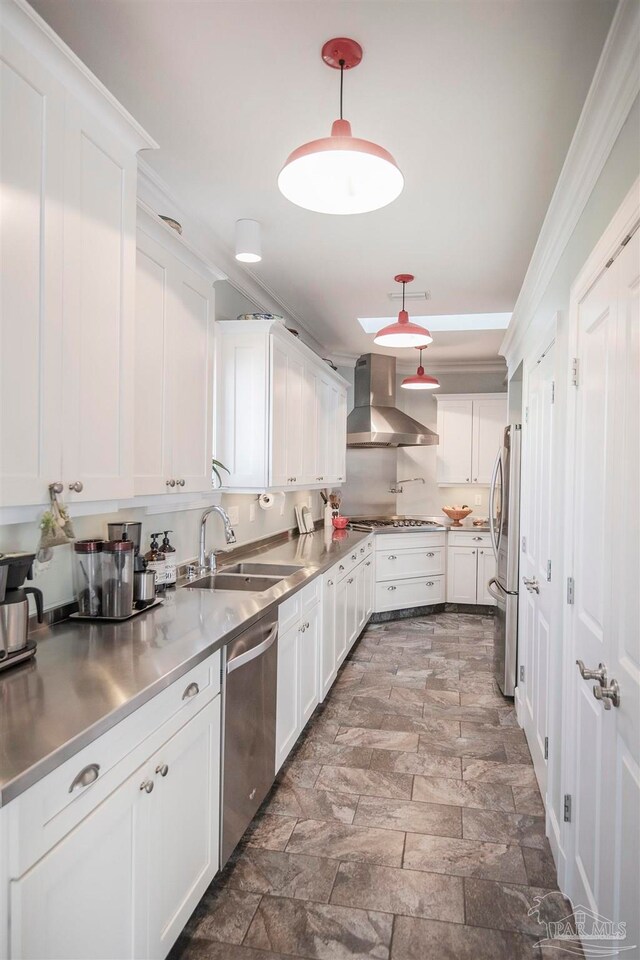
(409, 563)
(409, 541)
(310, 595)
(416, 592)
(469, 538)
(45, 812)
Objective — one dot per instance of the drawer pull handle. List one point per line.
(350, 580)
(392, 557)
(329, 583)
(85, 777)
(431, 554)
(430, 583)
(147, 786)
(340, 567)
(391, 588)
(477, 538)
(354, 556)
(361, 549)
(368, 563)
(192, 691)
(162, 769)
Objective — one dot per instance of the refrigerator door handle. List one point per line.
(492, 501)
(496, 596)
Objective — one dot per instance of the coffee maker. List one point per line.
(15, 645)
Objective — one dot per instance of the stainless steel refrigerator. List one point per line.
(504, 502)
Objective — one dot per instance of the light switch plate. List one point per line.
(234, 515)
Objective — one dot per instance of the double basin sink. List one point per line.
(249, 577)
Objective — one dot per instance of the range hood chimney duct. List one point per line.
(375, 421)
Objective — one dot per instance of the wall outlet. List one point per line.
(234, 515)
(478, 500)
(252, 512)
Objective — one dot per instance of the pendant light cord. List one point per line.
(404, 287)
(341, 84)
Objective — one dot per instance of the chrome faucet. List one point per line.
(229, 536)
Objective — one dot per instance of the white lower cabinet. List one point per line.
(469, 568)
(298, 690)
(409, 571)
(134, 850)
(347, 605)
(328, 667)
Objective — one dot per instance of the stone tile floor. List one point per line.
(406, 824)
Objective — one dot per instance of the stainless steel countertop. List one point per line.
(87, 677)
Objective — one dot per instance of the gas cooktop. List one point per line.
(396, 524)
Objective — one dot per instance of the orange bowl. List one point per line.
(340, 522)
(457, 515)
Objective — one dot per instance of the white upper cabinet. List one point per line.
(281, 412)
(470, 428)
(174, 332)
(68, 173)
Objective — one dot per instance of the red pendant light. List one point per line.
(421, 380)
(341, 174)
(403, 333)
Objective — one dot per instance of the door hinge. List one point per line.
(571, 589)
(567, 808)
(574, 372)
(548, 570)
(522, 674)
(524, 544)
(546, 748)
(553, 391)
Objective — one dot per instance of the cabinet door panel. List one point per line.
(279, 415)
(462, 574)
(454, 447)
(328, 637)
(184, 826)
(243, 426)
(152, 454)
(31, 235)
(312, 465)
(308, 658)
(99, 278)
(489, 420)
(78, 901)
(342, 620)
(190, 363)
(287, 713)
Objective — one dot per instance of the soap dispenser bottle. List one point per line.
(156, 561)
(169, 559)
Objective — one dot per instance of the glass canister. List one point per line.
(87, 576)
(117, 578)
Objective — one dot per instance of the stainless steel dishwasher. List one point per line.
(249, 732)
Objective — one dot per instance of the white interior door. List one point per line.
(605, 783)
(535, 558)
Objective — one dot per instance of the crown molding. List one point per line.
(155, 227)
(614, 88)
(492, 365)
(158, 197)
(30, 29)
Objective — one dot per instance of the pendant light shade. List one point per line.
(248, 242)
(341, 174)
(421, 380)
(403, 333)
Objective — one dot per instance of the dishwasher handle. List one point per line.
(255, 652)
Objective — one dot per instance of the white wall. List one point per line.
(54, 578)
(617, 177)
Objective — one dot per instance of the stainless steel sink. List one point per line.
(264, 569)
(234, 581)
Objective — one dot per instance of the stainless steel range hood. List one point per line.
(375, 421)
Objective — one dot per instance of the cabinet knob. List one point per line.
(147, 786)
(162, 769)
(180, 483)
(390, 588)
(350, 580)
(191, 691)
(319, 478)
(329, 583)
(467, 479)
(475, 479)
(368, 563)
(77, 486)
(392, 556)
(340, 567)
(477, 538)
(171, 483)
(431, 554)
(86, 776)
(354, 556)
(429, 583)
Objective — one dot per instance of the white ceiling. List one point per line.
(476, 99)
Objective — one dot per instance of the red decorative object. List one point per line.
(403, 333)
(421, 380)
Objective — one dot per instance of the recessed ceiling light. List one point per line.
(445, 323)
